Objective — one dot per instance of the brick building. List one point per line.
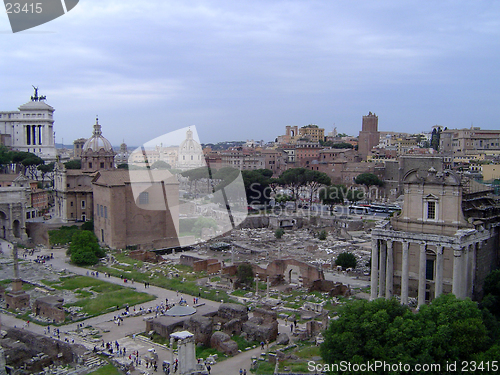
(142, 210)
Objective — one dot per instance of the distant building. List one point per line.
(368, 136)
(30, 129)
(73, 197)
(78, 147)
(190, 153)
(97, 152)
(122, 156)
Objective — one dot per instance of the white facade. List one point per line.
(30, 129)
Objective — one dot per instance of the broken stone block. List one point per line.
(201, 327)
(229, 311)
(222, 342)
(282, 339)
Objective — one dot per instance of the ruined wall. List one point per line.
(50, 307)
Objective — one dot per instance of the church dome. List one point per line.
(97, 141)
(189, 145)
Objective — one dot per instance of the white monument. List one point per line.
(186, 352)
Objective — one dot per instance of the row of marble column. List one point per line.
(33, 134)
(382, 276)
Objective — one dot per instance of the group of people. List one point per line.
(43, 258)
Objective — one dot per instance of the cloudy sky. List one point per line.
(245, 69)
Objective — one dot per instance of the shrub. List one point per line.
(322, 235)
(278, 233)
(346, 260)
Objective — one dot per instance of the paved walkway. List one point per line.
(124, 334)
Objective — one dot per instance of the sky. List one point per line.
(241, 70)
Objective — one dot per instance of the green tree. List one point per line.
(346, 260)
(84, 248)
(446, 330)
(122, 166)
(45, 169)
(203, 222)
(354, 195)
(491, 291)
(257, 185)
(368, 180)
(5, 156)
(316, 179)
(160, 164)
(294, 179)
(323, 234)
(435, 138)
(73, 164)
(245, 275)
(332, 195)
(278, 233)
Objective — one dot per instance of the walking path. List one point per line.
(125, 333)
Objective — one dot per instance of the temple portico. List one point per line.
(445, 240)
(427, 270)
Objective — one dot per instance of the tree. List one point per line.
(160, 164)
(5, 156)
(491, 290)
(447, 330)
(354, 195)
(245, 275)
(278, 233)
(332, 195)
(257, 185)
(294, 179)
(84, 248)
(346, 260)
(435, 138)
(368, 179)
(73, 164)
(45, 169)
(122, 166)
(204, 222)
(316, 179)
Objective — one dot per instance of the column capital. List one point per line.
(457, 253)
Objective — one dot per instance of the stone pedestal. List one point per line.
(18, 298)
(186, 350)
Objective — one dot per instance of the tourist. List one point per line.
(241, 371)
(208, 369)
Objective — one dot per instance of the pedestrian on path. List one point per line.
(241, 371)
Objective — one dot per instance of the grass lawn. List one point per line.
(265, 368)
(107, 297)
(106, 370)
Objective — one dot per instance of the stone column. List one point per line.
(421, 275)
(374, 273)
(467, 271)
(382, 264)
(438, 287)
(268, 285)
(404, 274)
(256, 284)
(457, 273)
(389, 280)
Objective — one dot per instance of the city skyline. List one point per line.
(245, 71)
